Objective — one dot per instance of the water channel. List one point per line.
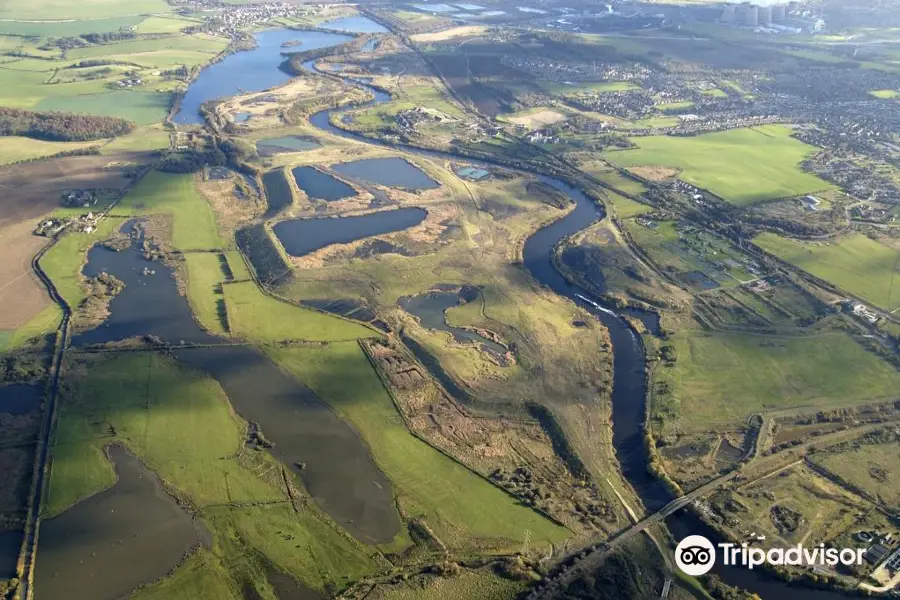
(629, 385)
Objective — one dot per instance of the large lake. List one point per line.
(250, 70)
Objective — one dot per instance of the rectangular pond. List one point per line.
(393, 172)
(435, 8)
(302, 236)
(317, 184)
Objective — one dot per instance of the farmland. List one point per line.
(855, 263)
(460, 506)
(743, 166)
(711, 383)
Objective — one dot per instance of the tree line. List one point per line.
(61, 127)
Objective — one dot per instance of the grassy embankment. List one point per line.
(743, 166)
(157, 408)
(718, 380)
(463, 509)
(855, 263)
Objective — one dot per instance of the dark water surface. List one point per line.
(356, 24)
(430, 308)
(321, 185)
(286, 144)
(302, 236)
(393, 172)
(20, 398)
(250, 70)
(107, 545)
(10, 545)
(339, 472)
(278, 191)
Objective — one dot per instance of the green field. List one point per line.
(67, 28)
(743, 166)
(626, 207)
(85, 9)
(256, 316)
(204, 281)
(140, 140)
(456, 503)
(15, 149)
(855, 263)
(874, 468)
(193, 222)
(141, 107)
(719, 380)
(885, 94)
(480, 585)
(179, 422)
(159, 419)
(587, 88)
(674, 106)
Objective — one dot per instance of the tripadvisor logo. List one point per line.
(696, 555)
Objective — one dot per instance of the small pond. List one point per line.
(106, 545)
(321, 185)
(467, 6)
(392, 172)
(431, 310)
(286, 144)
(369, 46)
(472, 173)
(356, 24)
(241, 117)
(302, 236)
(20, 398)
(249, 70)
(492, 13)
(528, 9)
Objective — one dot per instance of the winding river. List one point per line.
(629, 382)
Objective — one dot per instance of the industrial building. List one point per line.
(772, 18)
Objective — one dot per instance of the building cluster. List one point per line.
(128, 83)
(408, 121)
(231, 21)
(772, 18)
(574, 71)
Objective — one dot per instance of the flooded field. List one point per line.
(393, 172)
(302, 236)
(309, 438)
(286, 144)
(321, 185)
(107, 545)
(337, 468)
(19, 399)
(150, 303)
(278, 191)
(249, 70)
(430, 308)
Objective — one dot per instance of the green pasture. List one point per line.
(50, 28)
(885, 94)
(566, 89)
(257, 316)
(455, 502)
(874, 468)
(157, 409)
(720, 379)
(200, 577)
(482, 585)
(181, 425)
(180, 43)
(855, 263)
(15, 149)
(204, 283)
(193, 222)
(626, 207)
(141, 140)
(141, 107)
(715, 93)
(674, 106)
(63, 10)
(164, 24)
(239, 268)
(743, 166)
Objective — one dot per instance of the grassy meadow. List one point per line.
(164, 412)
(15, 149)
(855, 263)
(743, 166)
(874, 468)
(455, 502)
(720, 379)
(204, 284)
(259, 317)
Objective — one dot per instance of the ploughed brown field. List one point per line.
(28, 192)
